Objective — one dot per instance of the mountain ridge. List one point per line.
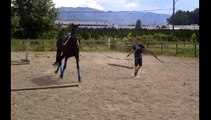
(112, 17)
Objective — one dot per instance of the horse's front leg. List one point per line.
(78, 68)
(64, 67)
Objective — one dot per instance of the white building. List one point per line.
(88, 24)
(190, 27)
(95, 24)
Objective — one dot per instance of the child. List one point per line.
(138, 48)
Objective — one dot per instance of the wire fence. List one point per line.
(159, 47)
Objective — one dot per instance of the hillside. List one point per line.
(119, 18)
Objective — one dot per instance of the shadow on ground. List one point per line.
(46, 80)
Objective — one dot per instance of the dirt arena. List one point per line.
(161, 91)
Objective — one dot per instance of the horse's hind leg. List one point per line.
(78, 68)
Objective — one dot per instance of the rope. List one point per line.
(109, 56)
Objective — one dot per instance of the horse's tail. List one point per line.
(58, 56)
(59, 47)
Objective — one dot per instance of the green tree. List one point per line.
(193, 38)
(138, 24)
(185, 17)
(15, 26)
(35, 17)
(196, 16)
(163, 27)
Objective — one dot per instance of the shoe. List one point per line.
(135, 74)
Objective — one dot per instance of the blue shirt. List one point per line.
(138, 50)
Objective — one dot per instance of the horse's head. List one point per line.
(74, 29)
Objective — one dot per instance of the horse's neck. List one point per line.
(70, 40)
(73, 34)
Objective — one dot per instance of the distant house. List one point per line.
(83, 24)
(189, 27)
(150, 27)
(126, 26)
(96, 24)
(176, 27)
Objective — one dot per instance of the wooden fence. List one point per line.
(117, 45)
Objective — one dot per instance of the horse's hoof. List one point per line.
(79, 80)
(61, 76)
(55, 72)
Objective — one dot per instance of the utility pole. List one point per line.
(173, 14)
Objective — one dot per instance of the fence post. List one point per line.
(161, 47)
(109, 43)
(95, 45)
(123, 45)
(43, 43)
(195, 50)
(146, 43)
(23, 45)
(176, 47)
(27, 49)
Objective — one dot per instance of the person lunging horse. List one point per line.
(138, 48)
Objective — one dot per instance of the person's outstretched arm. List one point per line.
(147, 49)
(130, 53)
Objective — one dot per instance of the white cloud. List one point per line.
(159, 6)
(117, 5)
(77, 3)
(131, 5)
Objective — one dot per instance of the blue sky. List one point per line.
(158, 6)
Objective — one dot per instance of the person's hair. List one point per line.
(138, 39)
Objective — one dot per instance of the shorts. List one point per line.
(138, 61)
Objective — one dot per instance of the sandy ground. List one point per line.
(161, 91)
